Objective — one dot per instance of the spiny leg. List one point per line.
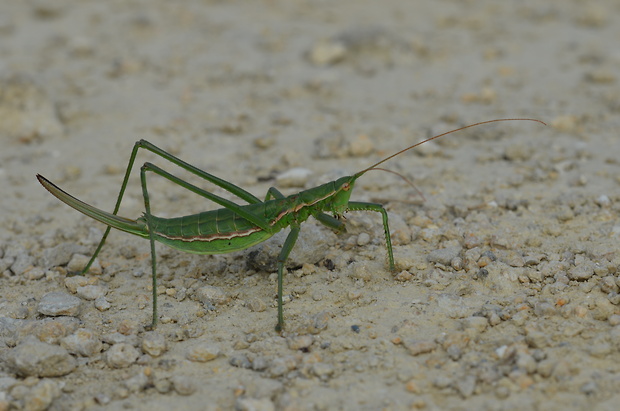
(360, 206)
(241, 211)
(147, 215)
(331, 222)
(289, 243)
(238, 191)
(226, 185)
(219, 200)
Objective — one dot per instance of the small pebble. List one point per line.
(203, 352)
(183, 385)
(545, 368)
(563, 370)
(295, 177)
(544, 309)
(457, 339)
(526, 362)
(413, 387)
(494, 319)
(442, 382)
(403, 276)
(417, 347)
(581, 272)
(322, 370)
(260, 363)
(41, 396)
(361, 271)
(589, 388)
(363, 239)
(27, 110)
(121, 355)
(603, 309)
(254, 404)
(454, 352)
(471, 241)
(466, 385)
(60, 255)
(128, 327)
(601, 76)
(614, 320)
(6, 262)
(319, 322)
(256, 305)
(163, 385)
(79, 261)
(23, 262)
(83, 342)
(300, 342)
(209, 295)
(536, 338)
(282, 365)
(35, 358)
(457, 263)
(479, 324)
(137, 383)
(608, 284)
(502, 392)
(73, 282)
(240, 361)
(59, 303)
(154, 344)
(327, 52)
(51, 330)
(534, 276)
(354, 295)
(91, 292)
(35, 273)
(102, 399)
(600, 349)
(443, 256)
(102, 304)
(361, 146)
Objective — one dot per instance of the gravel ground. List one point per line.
(506, 294)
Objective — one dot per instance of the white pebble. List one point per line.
(41, 396)
(35, 273)
(603, 201)
(59, 303)
(121, 355)
(36, 358)
(202, 352)
(183, 385)
(91, 292)
(154, 344)
(83, 342)
(295, 177)
(363, 239)
(209, 295)
(102, 304)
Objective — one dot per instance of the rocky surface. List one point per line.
(506, 293)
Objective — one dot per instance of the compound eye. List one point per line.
(346, 187)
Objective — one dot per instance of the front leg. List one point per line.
(359, 206)
(289, 243)
(331, 222)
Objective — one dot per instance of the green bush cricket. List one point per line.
(235, 227)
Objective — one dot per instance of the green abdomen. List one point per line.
(211, 232)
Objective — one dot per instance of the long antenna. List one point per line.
(444, 134)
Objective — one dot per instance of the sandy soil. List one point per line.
(506, 293)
